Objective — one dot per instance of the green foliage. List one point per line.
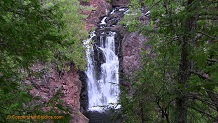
(179, 33)
(71, 47)
(85, 0)
(109, 1)
(35, 31)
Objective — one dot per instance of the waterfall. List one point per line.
(103, 78)
(105, 90)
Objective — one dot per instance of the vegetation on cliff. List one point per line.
(32, 31)
(178, 80)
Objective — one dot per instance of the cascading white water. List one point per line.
(103, 20)
(90, 72)
(104, 91)
(103, 85)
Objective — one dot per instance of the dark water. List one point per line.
(106, 117)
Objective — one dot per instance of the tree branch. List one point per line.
(201, 75)
(205, 113)
(212, 95)
(203, 33)
(207, 102)
(208, 18)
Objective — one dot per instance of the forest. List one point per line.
(178, 80)
(176, 83)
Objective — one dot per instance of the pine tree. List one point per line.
(178, 81)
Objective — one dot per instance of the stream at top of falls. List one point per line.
(103, 65)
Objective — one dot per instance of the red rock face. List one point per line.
(69, 84)
(101, 8)
(132, 45)
(121, 3)
(71, 89)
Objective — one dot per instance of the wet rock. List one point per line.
(118, 39)
(84, 92)
(99, 59)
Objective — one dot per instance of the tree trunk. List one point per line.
(184, 68)
(142, 113)
(182, 80)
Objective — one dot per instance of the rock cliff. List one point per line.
(100, 8)
(53, 81)
(132, 45)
